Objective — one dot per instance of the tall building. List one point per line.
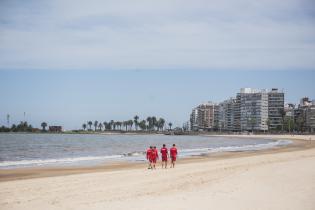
(194, 120)
(304, 115)
(300, 114)
(276, 110)
(310, 117)
(253, 109)
(228, 115)
(204, 117)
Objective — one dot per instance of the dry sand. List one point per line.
(274, 179)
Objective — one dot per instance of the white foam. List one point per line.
(252, 147)
(54, 161)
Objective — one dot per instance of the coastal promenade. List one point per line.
(273, 179)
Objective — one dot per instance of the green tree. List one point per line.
(154, 122)
(95, 124)
(170, 125)
(282, 114)
(106, 127)
(125, 124)
(113, 125)
(135, 120)
(160, 124)
(90, 123)
(44, 125)
(100, 126)
(84, 126)
(149, 120)
(142, 125)
(289, 123)
(130, 123)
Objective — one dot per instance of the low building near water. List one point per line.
(55, 129)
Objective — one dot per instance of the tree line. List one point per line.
(149, 124)
(23, 126)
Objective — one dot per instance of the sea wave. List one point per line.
(250, 147)
(140, 155)
(56, 161)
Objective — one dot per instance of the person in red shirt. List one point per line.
(149, 151)
(164, 154)
(154, 157)
(173, 154)
(156, 152)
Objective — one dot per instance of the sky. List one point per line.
(69, 61)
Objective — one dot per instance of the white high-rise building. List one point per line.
(253, 109)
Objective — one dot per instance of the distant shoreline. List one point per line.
(303, 136)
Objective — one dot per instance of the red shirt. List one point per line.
(148, 153)
(164, 151)
(173, 152)
(153, 154)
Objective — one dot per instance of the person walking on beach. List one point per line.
(156, 152)
(149, 151)
(154, 157)
(173, 153)
(164, 155)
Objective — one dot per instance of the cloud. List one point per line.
(163, 34)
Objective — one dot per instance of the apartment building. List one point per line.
(205, 117)
(253, 109)
(228, 115)
(310, 117)
(276, 110)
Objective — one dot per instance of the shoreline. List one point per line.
(274, 179)
(299, 143)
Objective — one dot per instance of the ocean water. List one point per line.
(28, 150)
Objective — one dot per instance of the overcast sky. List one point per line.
(164, 34)
(69, 61)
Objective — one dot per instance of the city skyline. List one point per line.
(70, 98)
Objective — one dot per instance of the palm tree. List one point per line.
(84, 126)
(90, 123)
(95, 124)
(160, 124)
(44, 125)
(125, 124)
(112, 125)
(130, 122)
(149, 121)
(142, 125)
(136, 118)
(170, 125)
(100, 126)
(106, 126)
(154, 122)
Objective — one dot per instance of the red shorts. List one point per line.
(173, 158)
(164, 158)
(153, 160)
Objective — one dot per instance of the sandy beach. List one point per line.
(281, 178)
